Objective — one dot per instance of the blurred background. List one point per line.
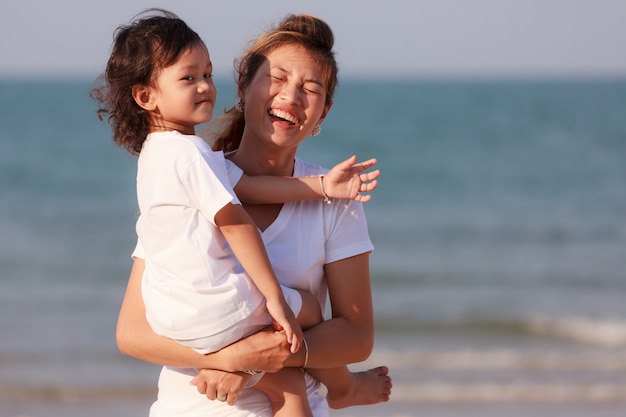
(499, 271)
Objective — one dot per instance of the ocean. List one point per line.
(499, 274)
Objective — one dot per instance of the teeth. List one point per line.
(283, 115)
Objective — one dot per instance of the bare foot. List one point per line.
(369, 387)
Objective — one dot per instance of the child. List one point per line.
(158, 88)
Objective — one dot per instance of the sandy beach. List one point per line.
(391, 409)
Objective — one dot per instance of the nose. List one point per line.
(290, 92)
(206, 84)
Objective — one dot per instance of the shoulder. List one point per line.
(195, 145)
(182, 153)
(186, 147)
(176, 140)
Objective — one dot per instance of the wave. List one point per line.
(603, 332)
(415, 393)
(610, 333)
(55, 393)
(485, 392)
(504, 375)
(488, 360)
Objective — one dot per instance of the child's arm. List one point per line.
(245, 241)
(346, 180)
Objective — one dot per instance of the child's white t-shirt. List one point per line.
(181, 185)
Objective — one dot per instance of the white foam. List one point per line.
(500, 360)
(605, 332)
(492, 392)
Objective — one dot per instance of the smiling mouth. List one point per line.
(283, 116)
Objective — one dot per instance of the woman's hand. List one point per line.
(220, 385)
(266, 350)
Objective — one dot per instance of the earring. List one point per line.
(316, 130)
(239, 105)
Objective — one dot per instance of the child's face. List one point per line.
(184, 92)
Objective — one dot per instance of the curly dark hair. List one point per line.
(305, 30)
(153, 41)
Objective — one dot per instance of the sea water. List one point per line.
(499, 274)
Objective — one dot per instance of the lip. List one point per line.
(205, 100)
(283, 116)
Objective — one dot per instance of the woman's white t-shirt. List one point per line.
(305, 236)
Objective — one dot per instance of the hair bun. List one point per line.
(316, 30)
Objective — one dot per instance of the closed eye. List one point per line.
(312, 91)
(313, 88)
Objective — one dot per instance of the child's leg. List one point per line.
(310, 313)
(346, 388)
(287, 393)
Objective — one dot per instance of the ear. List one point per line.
(144, 97)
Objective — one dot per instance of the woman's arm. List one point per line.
(266, 350)
(135, 336)
(348, 337)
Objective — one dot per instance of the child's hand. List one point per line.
(220, 385)
(285, 320)
(346, 180)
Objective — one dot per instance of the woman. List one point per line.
(286, 83)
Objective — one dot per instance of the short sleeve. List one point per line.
(347, 233)
(208, 182)
(234, 172)
(139, 251)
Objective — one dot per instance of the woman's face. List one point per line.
(286, 98)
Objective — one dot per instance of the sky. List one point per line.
(382, 38)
